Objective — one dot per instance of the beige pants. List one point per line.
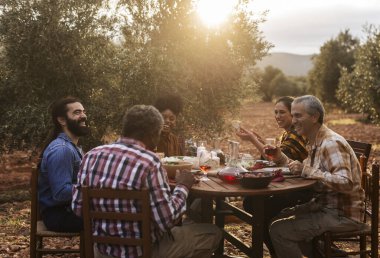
(191, 240)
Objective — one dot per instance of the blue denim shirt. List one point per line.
(58, 172)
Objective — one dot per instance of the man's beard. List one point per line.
(75, 127)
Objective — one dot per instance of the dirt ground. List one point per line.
(15, 173)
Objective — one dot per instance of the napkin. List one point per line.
(278, 176)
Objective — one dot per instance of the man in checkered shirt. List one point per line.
(338, 205)
(130, 163)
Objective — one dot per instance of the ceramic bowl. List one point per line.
(255, 182)
(172, 167)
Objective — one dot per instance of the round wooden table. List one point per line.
(216, 189)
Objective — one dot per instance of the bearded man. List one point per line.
(59, 166)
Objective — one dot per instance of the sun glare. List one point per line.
(214, 12)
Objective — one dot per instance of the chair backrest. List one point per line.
(142, 217)
(361, 149)
(374, 179)
(34, 213)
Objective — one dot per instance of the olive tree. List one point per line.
(359, 90)
(334, 54)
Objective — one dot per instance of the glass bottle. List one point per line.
(231, 172)
(219, 152)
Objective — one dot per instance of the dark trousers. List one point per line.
(61, 219)
(274, 205)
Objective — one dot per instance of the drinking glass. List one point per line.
(270, 149)
(236, 125)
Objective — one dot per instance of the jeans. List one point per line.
(293, 230)
(273, 206)
(61, 219)
(198, 240)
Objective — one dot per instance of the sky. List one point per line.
(302, 26)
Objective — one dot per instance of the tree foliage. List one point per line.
(53, 48)
(359, 90)
(334, 54)
(274, 83)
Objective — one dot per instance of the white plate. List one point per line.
(285, 170)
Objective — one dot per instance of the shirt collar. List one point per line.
(65, 137)
(320, 136)
(126, 140)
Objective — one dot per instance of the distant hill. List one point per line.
(290, 64)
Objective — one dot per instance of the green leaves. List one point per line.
(52, 49)
(359, 89)
(334, 54)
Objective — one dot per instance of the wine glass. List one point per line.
(204, 165)
(270, 150)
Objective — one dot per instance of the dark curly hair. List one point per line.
(169, 101)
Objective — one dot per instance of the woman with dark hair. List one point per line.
(291, 144)
(170, 106)
(294, 147)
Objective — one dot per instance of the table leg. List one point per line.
(207, 211)
(257, 226)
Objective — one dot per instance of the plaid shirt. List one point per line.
(333, 162)
(127, 164)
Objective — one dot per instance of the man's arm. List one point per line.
(167, 207)
(60, 172)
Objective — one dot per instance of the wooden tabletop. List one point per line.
(215, 187)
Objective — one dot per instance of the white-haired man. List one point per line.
(338, 204)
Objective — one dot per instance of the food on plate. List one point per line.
(254, 175)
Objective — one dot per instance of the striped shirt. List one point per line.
(334, 163)
(293, 145)
(127, 164)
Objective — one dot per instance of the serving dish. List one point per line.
(255, 180)
(172, 167)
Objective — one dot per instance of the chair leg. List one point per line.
(81, 245)
(219, 221)
(327, 245)
(39, 245)
(32, 245)
(363, 246)
(316, 247)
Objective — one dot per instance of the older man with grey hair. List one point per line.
(130, 163)
(338, 205)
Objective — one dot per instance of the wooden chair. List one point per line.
(361, 149)
(328, 238)
(38, 230)
(143, 217)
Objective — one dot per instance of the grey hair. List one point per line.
(312, 105)
(142, 120)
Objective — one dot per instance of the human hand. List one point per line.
(165, 128)
(295, 167)
(272, 153)
(244, 134)
(186, 178)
